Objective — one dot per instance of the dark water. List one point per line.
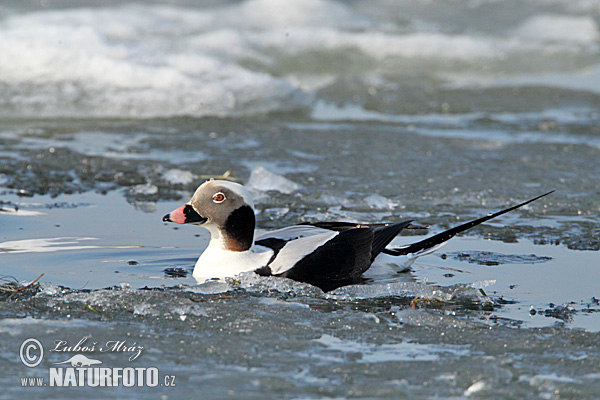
(111, 114)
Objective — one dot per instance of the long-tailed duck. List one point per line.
(324, 254)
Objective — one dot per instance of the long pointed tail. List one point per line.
(432, 243)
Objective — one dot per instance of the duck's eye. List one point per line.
(219, 197)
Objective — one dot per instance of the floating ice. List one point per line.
(263, 180)
(276, 213)
(377, 201)
(211, 287)
(275, 302)
(394, 289)
(50, 288)
(541, 379)
(483, 284)
(490, 258)
(475, 388)
(252, 282)
(146, 309)
(17, 326)
(146, 189)
(377, 353)
(409, 290)
(178, 177)
(340, 213)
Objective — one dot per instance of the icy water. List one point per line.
(111, 115)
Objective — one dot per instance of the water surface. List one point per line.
(112, 113)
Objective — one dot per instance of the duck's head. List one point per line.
(225, 208)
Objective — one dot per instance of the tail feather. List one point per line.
(383, 235)
(425, 246)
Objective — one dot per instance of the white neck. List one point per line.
(218, 262)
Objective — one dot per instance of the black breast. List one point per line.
(238, 231)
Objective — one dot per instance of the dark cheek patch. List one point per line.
(239, 229)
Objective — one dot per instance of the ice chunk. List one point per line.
(490, 258)
(475, 388)
(50, 288)
(380, 202)
(181, 310)
(393, 289)
(210, 287)
(275, 213)
(388, 352)
(252, 282)
(146, 189)
(483, 284)
(178, 176)
(262, 180)
(145, 309)
(408, 290)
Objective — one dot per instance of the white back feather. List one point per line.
(296, 249)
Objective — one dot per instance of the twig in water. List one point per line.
(26, 286)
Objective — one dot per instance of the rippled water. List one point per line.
(113, 112)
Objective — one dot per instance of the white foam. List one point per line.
(125, 61)
(560, 28)
(233, 60)
(285, 14)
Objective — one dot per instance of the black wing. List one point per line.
(383, 234)
(338, 262)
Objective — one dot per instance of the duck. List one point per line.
(326, 254)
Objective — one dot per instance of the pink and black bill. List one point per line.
(185, 215)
